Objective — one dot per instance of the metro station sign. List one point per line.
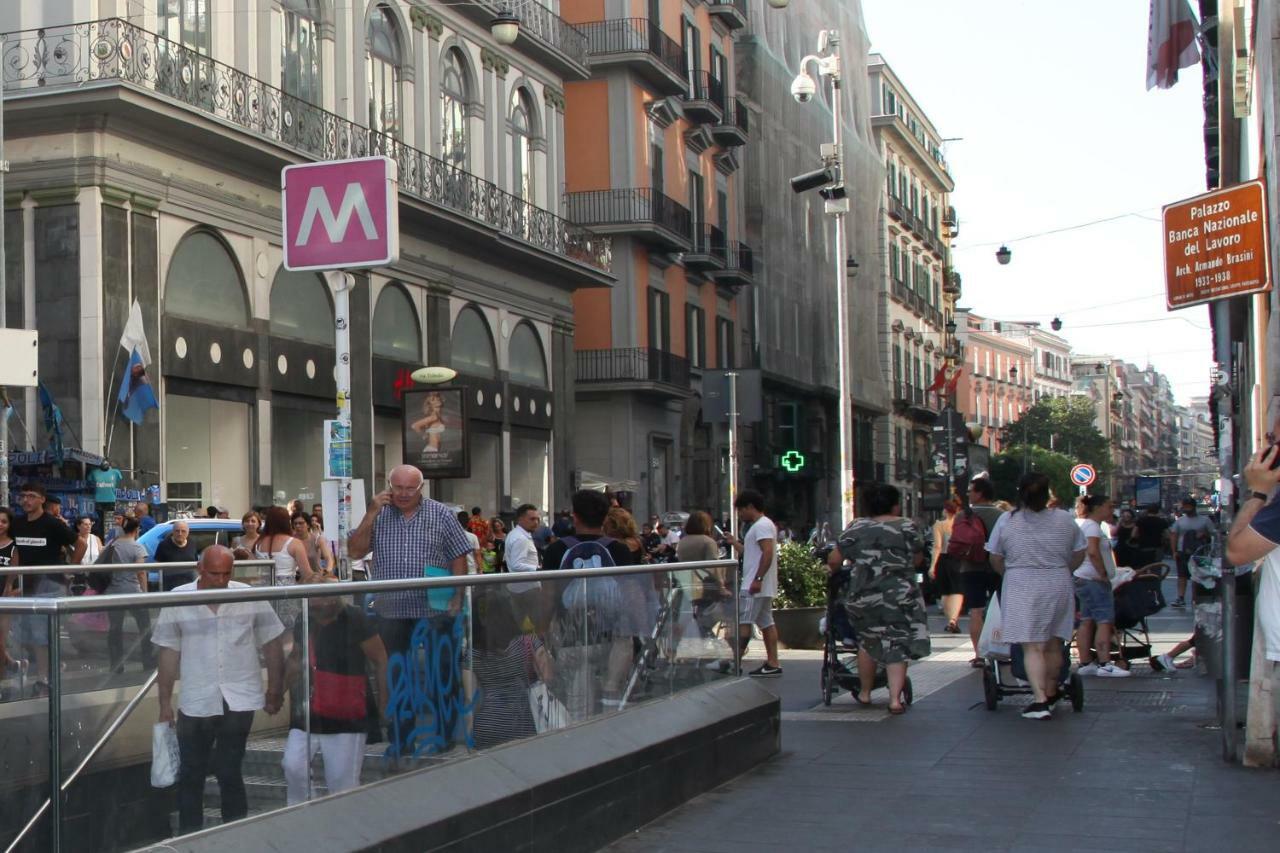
(1215, 246)
(341, 214)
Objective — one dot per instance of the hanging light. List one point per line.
(1056, 324)
(505, 26)
(1004, 254)
(950, 326)
(779, 4)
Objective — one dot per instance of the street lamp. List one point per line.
(779, 4)
(505, 26)
(1004, 254)
(828, 182)
(1056, 324)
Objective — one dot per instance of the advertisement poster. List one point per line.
(337, 450)
(1146, 491)
(435, 432)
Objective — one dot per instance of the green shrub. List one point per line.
(802, 580)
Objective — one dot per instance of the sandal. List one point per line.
(952, 627)
(977, 663)
(898, 711)
(866, 703)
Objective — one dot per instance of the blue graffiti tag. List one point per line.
(427, 702)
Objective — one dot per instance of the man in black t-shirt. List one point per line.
(177, 547)
(41, 540)
(589, 510)
(1151, 535)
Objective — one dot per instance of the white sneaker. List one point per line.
(1166, 662)
(1110, 670)
(1088, 669)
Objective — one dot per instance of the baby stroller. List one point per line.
(840, 649)
(1006, 675)
(1136, 599)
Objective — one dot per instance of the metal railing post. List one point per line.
(55, 732)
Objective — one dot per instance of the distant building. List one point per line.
(996, 387)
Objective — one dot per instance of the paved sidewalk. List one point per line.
(1139, 770)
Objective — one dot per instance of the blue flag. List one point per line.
(52, 422)
(136, 393)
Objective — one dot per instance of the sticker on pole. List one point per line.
(341, 214)
(1083, 475)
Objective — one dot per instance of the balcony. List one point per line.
(544, 35)
(703, 98)
(732, 13)
(641, 46)
(86, 60)
(654, 369)
(709, 251)
(740, 266)
(899, 211)
(733, 130)
(639, 212)
(915, 402)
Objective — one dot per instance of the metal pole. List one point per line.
(55, 732)
(732, 376)
(1226, 459)
(842, 304)
(342, 344)
(4, 318)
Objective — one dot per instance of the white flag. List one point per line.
(135, 335)
(1171, 42)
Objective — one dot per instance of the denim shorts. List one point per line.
(1097, 604)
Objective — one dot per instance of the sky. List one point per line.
(1055, 128)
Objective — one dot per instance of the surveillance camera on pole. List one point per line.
(803, 88)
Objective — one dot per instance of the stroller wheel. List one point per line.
(990, 690)
(1076, 686)
(828, 684)
(908, 692)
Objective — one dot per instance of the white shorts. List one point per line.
(755, 609)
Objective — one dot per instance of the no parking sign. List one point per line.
(1083, 475)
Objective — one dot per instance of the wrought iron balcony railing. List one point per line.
(115, 51)
(634, 364)
(539, 23)
(633, 35)
(632, 206)
(732, 12)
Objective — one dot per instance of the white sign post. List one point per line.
(338, 216)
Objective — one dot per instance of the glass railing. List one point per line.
(274, 696)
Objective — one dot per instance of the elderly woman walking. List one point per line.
(883, 599)
(1037, 549)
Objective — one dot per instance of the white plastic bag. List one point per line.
(990, 642)
(549, 713)
(164, 755)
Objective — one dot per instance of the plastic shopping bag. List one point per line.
(991, 642)
(164, 755)
(548, 712)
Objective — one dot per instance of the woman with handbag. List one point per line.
(125, 548)
(506, 665)
(344, 706)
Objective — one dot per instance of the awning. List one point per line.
(600, 483)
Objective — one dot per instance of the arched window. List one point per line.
(521, 145)
(384, 72)
(204, 283)
(300, 60)
(395, 326)
(301, 307)
(185, 22)
(472, 345)
(453, 110)
(528, 364)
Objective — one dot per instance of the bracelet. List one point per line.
(1262, 496)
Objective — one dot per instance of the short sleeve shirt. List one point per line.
(1190, 529)
(404, 548)
(338, 648)
(1087, 570)
(40, 543)
(1036, 540)
(762, 530)
(104, 484)
(1267, 522)
(125, 551)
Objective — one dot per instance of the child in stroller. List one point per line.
(1136, 599)
(840, 644)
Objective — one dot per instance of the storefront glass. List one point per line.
(530, 461)
(482, 488)
(206, 454)
(297, 454)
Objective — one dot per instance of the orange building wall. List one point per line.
(586, 148)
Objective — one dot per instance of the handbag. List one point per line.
(336, 696)
(549, 713)
(99, 581)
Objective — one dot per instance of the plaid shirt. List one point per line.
(405, 547)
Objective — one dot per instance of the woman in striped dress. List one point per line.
(505, 663)
(1037, 549)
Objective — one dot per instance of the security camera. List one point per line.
(813, 180)
(803, 88)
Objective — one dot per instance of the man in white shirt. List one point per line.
(214, 648)
(522, 556)
(759, 551)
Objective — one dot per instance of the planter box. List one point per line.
(798, 627)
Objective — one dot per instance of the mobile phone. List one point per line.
(1275, 460)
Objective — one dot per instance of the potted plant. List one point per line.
(802, 597)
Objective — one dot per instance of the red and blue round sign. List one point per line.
(1083, 475)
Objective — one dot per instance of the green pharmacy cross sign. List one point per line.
(793, 461)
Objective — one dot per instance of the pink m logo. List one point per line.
(357, 207)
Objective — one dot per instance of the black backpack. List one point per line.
(99, 581)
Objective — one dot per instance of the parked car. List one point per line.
(204, 532)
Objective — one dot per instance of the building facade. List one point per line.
(145, 155)
(654, 146)
(997, 384)
(916, 225)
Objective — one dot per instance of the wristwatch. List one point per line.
(1262, 496)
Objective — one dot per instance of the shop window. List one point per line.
(301, 307)
(530, 468)
(472, 345)
(207, 452)
(297, 454)
(396, 334)
(481, 489)
(526, 362)
(204, 283)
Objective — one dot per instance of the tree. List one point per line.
(1063, 425)
(1006, 471)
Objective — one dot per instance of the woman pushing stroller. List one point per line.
(882, 598)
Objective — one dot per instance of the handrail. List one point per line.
(93, 751)
(97, 603)
(80, 569)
